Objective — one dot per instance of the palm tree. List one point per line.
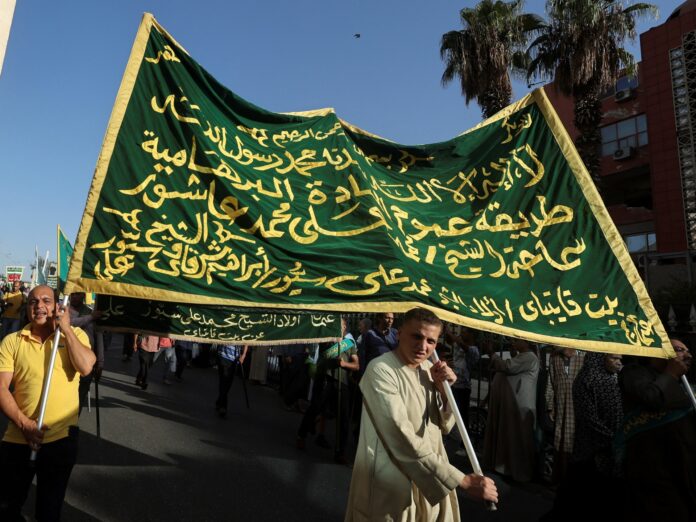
(483, 53)
(581, 47)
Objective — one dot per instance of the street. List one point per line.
(164, 455)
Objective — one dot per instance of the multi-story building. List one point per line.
(648, 155)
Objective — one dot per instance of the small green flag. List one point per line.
(65, 252)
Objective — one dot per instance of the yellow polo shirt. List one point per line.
(28, 358)
(16, 299)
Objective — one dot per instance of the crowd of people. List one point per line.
(12, 307)
(622, 435)
(634, 444)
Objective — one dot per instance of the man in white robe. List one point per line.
(509, 440)
(401, 470)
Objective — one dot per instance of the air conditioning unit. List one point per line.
(624, 94)
(625, 153)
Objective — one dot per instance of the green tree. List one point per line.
(486, 50)
(581, 48)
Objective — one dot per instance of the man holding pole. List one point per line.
(658, 439)
(401, 468)
(24, 358)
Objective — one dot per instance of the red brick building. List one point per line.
(649, 149)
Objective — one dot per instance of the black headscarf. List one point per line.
(598, 412)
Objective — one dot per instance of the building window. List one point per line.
(627, 82)
(623, 83)
(637, 243)
(623, 134)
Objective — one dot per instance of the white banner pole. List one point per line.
(688, 390)
(47, 380)
(464, 434)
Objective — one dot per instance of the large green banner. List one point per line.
(216, 323)
(203, 198)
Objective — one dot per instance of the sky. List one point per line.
(65, 60)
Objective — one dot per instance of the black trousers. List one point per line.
(324, 398)
(54, 464)
(294, 379)
(145, 358)
(462, 396)
(180, 360)
(226, 369)
(128, 342)
(83, 389)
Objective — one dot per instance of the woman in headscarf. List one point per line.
(598, 415)
(598, 412)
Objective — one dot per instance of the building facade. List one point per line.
(648, 156)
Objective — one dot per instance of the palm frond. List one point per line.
(486, 50)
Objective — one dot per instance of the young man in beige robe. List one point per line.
(401, 470)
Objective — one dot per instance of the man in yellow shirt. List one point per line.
(24, 358)
(13, 307)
